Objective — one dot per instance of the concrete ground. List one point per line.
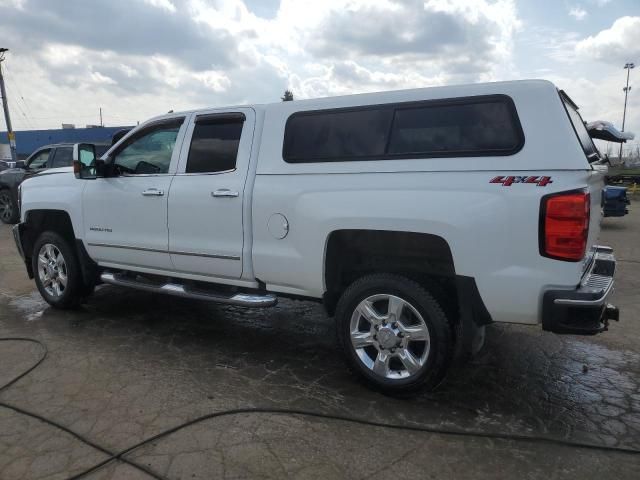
(129, 365)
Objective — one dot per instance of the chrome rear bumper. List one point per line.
(584, 310)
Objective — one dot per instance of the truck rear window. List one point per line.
(584, 138)
(473, 126)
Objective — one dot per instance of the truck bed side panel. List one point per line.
(492, 229)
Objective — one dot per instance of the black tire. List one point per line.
(74, 292)
(437, 358)
(9, 211)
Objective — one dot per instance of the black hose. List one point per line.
(43, 355)
(414, 428)
(80, 437)
(286, 411)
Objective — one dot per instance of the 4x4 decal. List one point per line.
(508, 181)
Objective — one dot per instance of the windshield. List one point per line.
(590, 149)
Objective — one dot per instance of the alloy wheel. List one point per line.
(390, 336)
(52, 270)
(6, 207)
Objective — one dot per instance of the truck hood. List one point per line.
(52, 171)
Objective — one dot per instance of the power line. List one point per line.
(19, 96)
(27, 113)
(12, 78)
(11, 86)
(16, 105)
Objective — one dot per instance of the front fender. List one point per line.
(59, 191)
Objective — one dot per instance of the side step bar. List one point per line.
(241, 299)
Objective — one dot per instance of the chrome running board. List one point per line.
(241, 299)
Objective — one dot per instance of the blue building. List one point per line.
(28, 141)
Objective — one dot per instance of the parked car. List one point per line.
(615, 201)
(6, 164)
(417, 217)
(45, 158)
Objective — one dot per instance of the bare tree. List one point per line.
(288, 96)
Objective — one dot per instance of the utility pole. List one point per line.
(5, 106)
(628, 67)
(101, 124)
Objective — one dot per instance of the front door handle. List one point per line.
(224, 192)
(152, 192)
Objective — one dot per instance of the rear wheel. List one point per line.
(394, 333)
(9, 212)
(57, 272)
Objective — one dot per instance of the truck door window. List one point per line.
(149, 152)
(63, 157)
(39, 160)
(214, 146)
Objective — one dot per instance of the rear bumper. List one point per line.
(584, 310)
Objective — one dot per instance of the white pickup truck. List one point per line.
(418, 217)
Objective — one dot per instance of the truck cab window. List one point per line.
(149, 153)
(214, 147)
(39, 160)
(63, 157)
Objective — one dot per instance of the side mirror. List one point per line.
(84, 161)
(21, 164)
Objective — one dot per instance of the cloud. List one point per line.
(436, 35)
(164, 4)
(344, 77)
(617, 44)
(578, 13)
(140, 58)
(603, 99)
(122, 26)
(403, 31)
(137, 58)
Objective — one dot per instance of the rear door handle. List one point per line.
(152, 192)
(224, 192)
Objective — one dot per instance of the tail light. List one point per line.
(564, 225)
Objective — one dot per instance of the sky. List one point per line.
(139, 58)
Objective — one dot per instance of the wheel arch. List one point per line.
(38, 221)
(423, 257)
(350, 253)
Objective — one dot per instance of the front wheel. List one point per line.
(9, 212)
(57, 272)
(394, 333)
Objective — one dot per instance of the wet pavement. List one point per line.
(129, 365)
